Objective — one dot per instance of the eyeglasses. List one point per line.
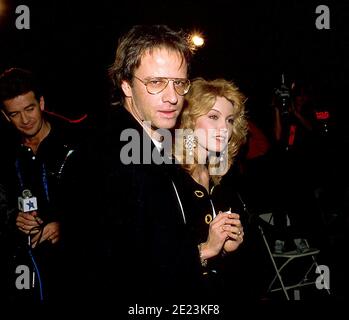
(157, 85)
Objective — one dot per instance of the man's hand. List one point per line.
(51, 233)
(28, 222)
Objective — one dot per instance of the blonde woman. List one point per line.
(211, 131)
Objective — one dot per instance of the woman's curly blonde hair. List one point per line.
(199, 101)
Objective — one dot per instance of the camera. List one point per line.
(283, 94)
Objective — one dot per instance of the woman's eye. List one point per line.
(213, 116)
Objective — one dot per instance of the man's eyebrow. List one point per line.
(25, 108)
(29, 105)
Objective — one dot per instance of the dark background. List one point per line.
(70, 45)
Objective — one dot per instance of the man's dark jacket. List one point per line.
(137, 245)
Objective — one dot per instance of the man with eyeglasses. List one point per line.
(144, 249)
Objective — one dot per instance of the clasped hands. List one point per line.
(225, 234)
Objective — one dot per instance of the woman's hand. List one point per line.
(224, 228)
(236, 235)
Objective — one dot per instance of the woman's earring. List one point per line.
(222, 155)
(190, 143)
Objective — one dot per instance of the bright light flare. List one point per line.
(197, 40)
